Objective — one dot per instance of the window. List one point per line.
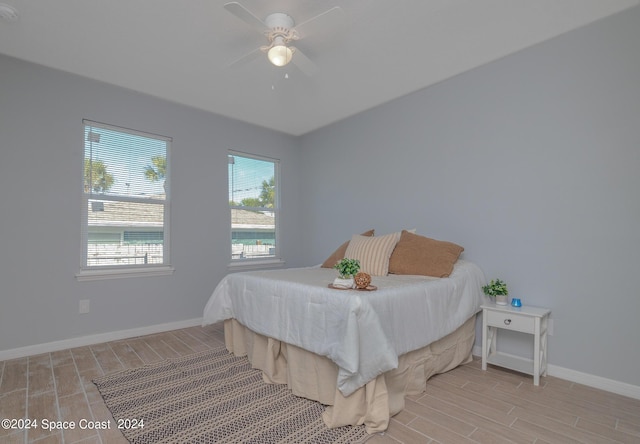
(253, 201)
(125, 217)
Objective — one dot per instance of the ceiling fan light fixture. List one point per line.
(280, 54)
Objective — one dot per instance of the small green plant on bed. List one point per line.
(495, 288)
(347, 268)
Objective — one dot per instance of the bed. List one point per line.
(358, 352)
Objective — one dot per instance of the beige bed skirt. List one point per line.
(314, 377)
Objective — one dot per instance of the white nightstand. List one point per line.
(532, 320)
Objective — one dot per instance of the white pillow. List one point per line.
(372, 252)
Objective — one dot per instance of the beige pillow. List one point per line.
(372, 252)
(415, 254)
(338, 255)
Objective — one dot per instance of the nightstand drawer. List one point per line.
(510, 321)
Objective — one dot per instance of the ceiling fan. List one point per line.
(281, 31)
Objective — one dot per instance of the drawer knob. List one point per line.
(507, 321)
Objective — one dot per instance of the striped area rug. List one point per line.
(213, 397)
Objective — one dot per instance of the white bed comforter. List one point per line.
(363, 332)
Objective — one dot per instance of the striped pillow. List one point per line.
(339, 253)
(372, 252)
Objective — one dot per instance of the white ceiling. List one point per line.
(180, 50)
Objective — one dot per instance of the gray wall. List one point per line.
(531, 163)
(41, 149)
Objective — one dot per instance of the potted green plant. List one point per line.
(497, 289)
(347, 269)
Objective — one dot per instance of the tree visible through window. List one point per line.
(253, 201)
(125, 210)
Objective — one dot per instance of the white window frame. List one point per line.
(257, 263)
(90, 273)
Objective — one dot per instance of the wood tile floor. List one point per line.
(465, 405)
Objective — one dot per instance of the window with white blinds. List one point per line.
(254, 206)
(125, 217)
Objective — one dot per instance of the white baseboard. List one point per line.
(609, 385)
(82, 341)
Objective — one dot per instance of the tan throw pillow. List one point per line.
(415, 254)
(338, 255)
(372, 252)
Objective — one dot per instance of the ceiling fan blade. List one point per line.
(256, 53)
(245, 15)
(321, 22)
(303, 63)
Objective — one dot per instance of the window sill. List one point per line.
(95, 275)
(256, 264)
